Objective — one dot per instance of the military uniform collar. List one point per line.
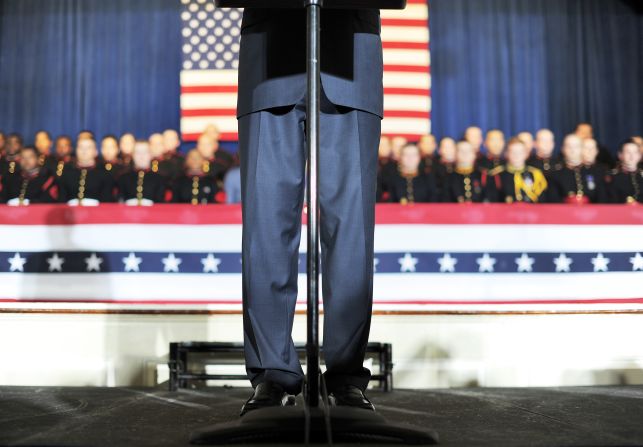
(464, 171)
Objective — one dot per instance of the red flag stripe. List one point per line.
(405, 46)
(209, 89)
(405, 22)
(408, 68)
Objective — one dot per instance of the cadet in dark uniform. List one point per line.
(141, 186)
(215, 161)
(515, 181)
(195, 186)
(466, 183)
(31, 184)
(495, 144)
(126, 146)
(386, 168)
(626, 182)
(428, 149)
(84, 181)
(410, 184)
(572, 183)
(110, 161)
(543, 158)
(44, 143)
(63, 154)
(171, 144)
(10, 161)
(445, 164)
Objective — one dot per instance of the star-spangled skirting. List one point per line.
(408, 262)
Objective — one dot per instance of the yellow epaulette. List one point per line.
(497, 170)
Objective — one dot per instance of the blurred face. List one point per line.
(397, 143)
(28, 160)
(465, 154)
(428, 145)
(527, 139)
(206, 146)
(13, 145)
(447, 150)
(171, 141)
(213, 132)
(590, 151)
(584, 131)
(384, 150)
(410, 158)
(630, 156)
(517, 155)
(63, 147)
(194, 162)
(573, 150)
(157, 146)
(3, 141)
(43, 143)
(545, 143)
(142, 156)
(86, 152)
(474, 136)
(127, 144)
(495, 143)
(109, 149)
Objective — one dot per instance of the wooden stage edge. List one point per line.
(301, 312)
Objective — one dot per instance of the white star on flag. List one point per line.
(93, 263)
(171, 263)
(376, 262)
(132, 263)
(17, 263)
(563, 263)
(447, 263)
(637, 262)
(525, 263)
(600, 263)
(486, 263)
(407, 263)
(210, 264)
(55, 263)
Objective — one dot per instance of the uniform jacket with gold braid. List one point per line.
(518, 185)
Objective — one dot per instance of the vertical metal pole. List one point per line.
(313, 9)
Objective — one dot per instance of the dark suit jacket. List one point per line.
(272, 59)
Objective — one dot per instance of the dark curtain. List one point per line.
(109, 66)
(526, 64)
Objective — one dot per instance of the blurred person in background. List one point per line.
(32, 183)
(3, 143)
(386, 168)
(528, 140)
(44, 145)
(63, 148)
(410, 184)
(172, 144)
(110, 159)
(84, 182)
(494, 156)
(585, 131)
(221, 156)
(10, 160)
(140, 185)
(474, 136)
(126, 145)
(195, 186)
(445, 164)
(571, 183)
(397, 143)
(590, 154)
(467, 183)
(515, 181)
(543, 157)
(626, 182)
(428, 148)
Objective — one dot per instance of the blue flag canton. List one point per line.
(211, 36)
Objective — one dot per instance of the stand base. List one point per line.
(287, 425)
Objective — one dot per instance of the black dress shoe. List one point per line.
(267, 394)
(351, 396)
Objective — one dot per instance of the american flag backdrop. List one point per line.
(210, 61)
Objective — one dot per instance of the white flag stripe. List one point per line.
(197, 124)
(414, 34)
(414, 11)
(407, 102)
(412, 126)
(196, 78)
(397, 79)
(406, 57)
(208, 101)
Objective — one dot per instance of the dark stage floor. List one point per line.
(583, 416)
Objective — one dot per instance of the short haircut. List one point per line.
(515, 140)
(626, 142)
(64, 137)
(110, 137)
(30, 149)
(16, 136)
(45, 132)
